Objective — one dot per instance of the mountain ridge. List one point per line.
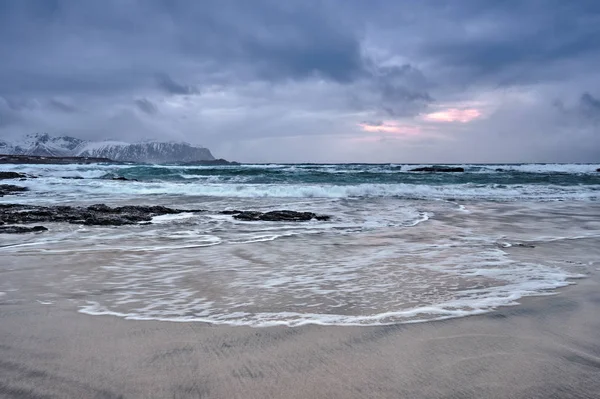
(43, 144)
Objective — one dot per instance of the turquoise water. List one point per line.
(348, 174)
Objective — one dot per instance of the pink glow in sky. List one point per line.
(453, 115)
(389, 127)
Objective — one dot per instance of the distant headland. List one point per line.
(44, 148)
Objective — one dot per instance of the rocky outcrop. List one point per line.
(276, 216)
(214, 162)
(6, 189)
(98, 215)
(104, 215)
(21, 229)
(12, 175)
(435, 169)
(123, 178)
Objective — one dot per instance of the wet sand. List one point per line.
(547, 347)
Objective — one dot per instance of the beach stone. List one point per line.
(436, 168)
(21, 229)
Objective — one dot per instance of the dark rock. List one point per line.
(230, 212)
(104, 215)
(248, 215)
(72, 177)
(287, 215)
(6, 189)
(122, 178)
(437, 168)
(276, 216)
(598, 170)
(521, 245)
(99, 208)
(500, 170)
(21, 229)
(12, 175)
(216, 162)
(98, 215)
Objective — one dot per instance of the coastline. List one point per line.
(546, 347)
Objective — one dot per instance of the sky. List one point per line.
(310, 81)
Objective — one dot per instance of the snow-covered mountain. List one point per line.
(150, 152)
(43, 144)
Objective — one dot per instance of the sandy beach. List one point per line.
(546, 347)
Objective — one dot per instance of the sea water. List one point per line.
(401, 246)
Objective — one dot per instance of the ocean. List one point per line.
(400, 246)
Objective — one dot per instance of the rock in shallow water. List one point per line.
(276, 216)
(21, 229)
(104, 215)
(6, 189)
(12, 175)
(123, 178)
(438, 169)
(100, 214)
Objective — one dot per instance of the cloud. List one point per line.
(146, 106)
(171, 87)
(390, 127)
(61, 106)
(590, 106)
(453, 115)
(583, 112)
(245, 77)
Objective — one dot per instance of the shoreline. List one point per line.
(545, 347)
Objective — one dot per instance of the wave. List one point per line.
(76, 188)
(180, 307)
(488, 182)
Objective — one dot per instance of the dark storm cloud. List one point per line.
(271, 40)
(81, 47)
(584, 111)
(590, 106)
(61, 106)
(171, 87)
(146, 106)
(402, 90)
(255, 70)
(504, 42)
(8, 114)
